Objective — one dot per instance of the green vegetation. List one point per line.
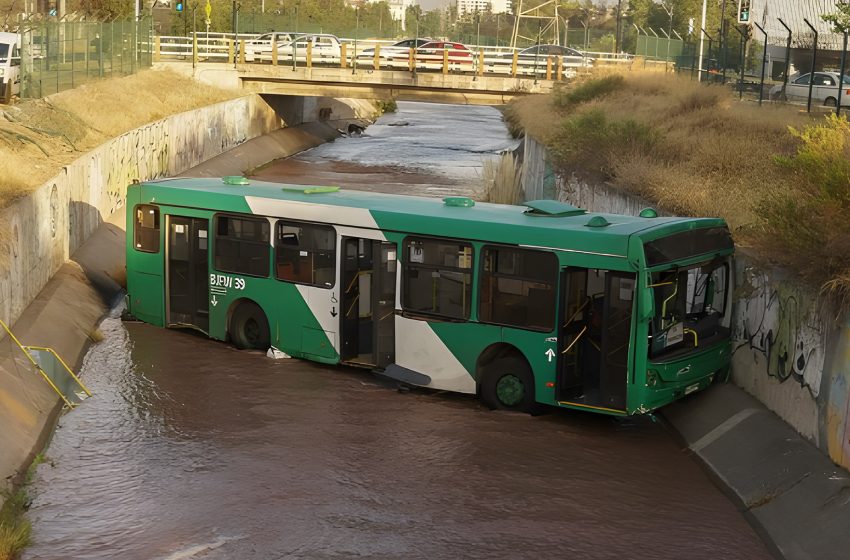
(15, 529)
(386, 106)
(589, 90)
(781, 178)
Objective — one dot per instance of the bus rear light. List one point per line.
(550, 384)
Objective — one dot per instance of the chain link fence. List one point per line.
(62, 55)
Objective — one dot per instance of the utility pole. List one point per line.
(616, 37)
(701, 42)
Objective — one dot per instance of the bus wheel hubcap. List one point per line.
(510, 390)
(252, 331)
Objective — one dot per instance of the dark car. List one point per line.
(546, 50)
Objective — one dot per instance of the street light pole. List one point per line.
(356, 32)
(701, 42)
(617, 37)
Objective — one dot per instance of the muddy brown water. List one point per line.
(191, 449)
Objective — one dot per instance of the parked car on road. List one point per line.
(571, 59)
(824, 89)
(260, 48)
(10, 64)
(401, 48)
(432, 52)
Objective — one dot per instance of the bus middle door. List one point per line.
(367, 310)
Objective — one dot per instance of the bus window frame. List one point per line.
(292, 223)
(215, 237)
(158, 228)
(405, 263)
(555, 285)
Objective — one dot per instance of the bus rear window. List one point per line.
(305, 253)
(437, 278)
(518, 288)
(242, 245)
(146, 229)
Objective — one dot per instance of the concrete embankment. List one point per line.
(55, 276)
(778, 437)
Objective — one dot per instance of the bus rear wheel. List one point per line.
(249, 328)
(508, 384)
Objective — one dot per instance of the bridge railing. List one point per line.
(375, 55)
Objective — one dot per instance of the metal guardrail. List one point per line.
(53, 370)
(501, 61)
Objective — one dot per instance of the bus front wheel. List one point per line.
(508, 384)
(249, 328)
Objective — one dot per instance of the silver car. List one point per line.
(824, 89)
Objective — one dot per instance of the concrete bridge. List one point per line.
(459, 89)
(475, 76)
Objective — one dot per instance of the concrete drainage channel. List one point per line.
(796, 496)
(62, 264)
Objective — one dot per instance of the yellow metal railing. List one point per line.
(28, 352)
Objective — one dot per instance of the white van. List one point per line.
(10, 65)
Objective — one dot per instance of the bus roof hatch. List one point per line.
(552, 208)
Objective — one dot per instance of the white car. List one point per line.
(395, 50)
(824, 89)
(325, 48)
(260, 48)
(10, 64)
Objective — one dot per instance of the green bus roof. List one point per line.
(547, 224)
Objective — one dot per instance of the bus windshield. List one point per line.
(690, 305)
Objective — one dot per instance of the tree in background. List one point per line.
(9, 10)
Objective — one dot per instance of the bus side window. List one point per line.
(437, 277)
(518, 288)
(146, 230)
(305, 253)
(242, 245)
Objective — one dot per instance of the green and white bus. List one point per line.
(540, 304)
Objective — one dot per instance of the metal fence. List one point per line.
(659, 48)
(63, 55)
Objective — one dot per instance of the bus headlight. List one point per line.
(651, 378)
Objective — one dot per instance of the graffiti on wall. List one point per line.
(781, 326)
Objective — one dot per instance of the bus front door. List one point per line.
(188, 283)
(367, 311)
(593, 342)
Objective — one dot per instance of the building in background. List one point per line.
(467, 7)
(795, 13)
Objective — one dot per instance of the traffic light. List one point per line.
(743, 11)
(178, 6)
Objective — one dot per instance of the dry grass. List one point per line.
(15, 530)
(696, 150)
(38, 137)
(501, 180)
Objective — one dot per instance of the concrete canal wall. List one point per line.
(42, 231)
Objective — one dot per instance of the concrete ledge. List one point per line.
(799, 499)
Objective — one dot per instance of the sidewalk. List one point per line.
(796, 497)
